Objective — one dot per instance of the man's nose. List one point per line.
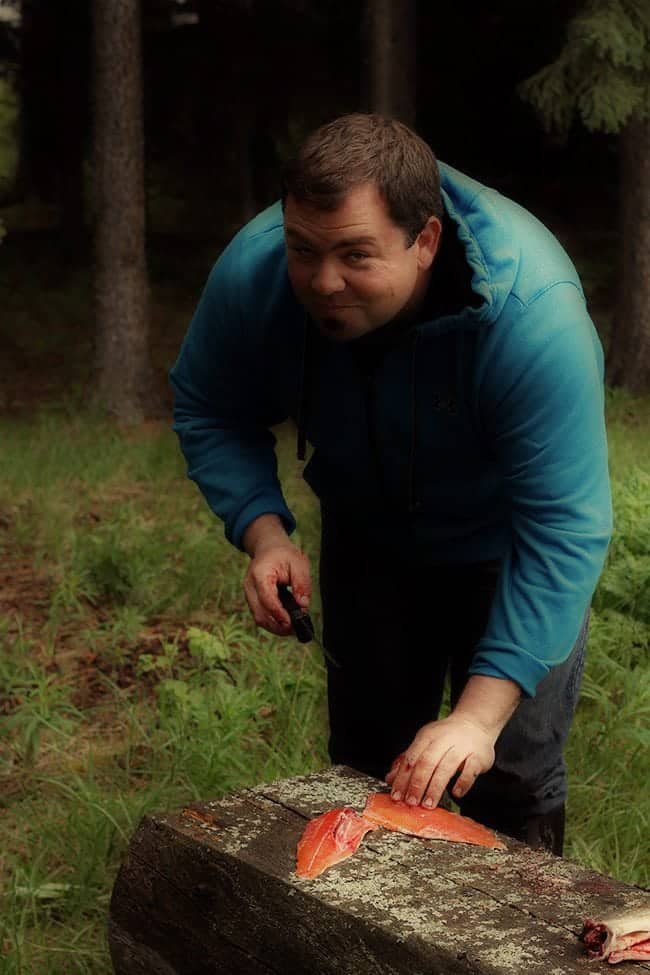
(327, 280)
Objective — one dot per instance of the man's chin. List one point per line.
(340, 330)
(333, 327)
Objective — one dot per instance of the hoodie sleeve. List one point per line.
(548, 431)
(220, 415)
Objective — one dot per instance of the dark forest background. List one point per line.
(224, 89)
(230, 86)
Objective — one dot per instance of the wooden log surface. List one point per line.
(212, 889)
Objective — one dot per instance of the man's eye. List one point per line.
(356, 256)
(301, 251)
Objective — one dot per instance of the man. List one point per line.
(431, 340)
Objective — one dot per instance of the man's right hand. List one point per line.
(274, 559)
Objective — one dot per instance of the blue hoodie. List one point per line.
(480, 436)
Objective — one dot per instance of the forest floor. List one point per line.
(132, 676)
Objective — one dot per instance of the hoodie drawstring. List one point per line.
(414, 503)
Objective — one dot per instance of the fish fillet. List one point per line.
(623, 937)
(330, 838)
(431, 824)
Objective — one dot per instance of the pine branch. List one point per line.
(602, 75)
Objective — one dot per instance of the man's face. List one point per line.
(350, 267)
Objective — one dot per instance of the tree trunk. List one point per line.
(123, 378)
(628, 362)
(389, 40)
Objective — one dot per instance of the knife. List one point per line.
(301, 621)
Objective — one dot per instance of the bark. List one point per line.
(389, 41)
(123, 377)
(628, 362)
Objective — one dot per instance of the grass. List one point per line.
(8, 124)
(134, 678)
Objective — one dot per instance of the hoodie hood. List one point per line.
(480, 227)
(483, 229)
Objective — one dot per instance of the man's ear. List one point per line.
(428, 242)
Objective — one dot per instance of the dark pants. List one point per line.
(396, 631)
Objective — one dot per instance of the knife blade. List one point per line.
(301, 621)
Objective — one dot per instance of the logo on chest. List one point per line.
(443, 401)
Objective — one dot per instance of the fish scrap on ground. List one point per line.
(335, 835)
(623, 937)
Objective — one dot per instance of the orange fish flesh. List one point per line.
(330, 838)
(430, 824)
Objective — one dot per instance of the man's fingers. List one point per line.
(441, 774)
(467, 778)
(277, 564)
(404, 772)
(272, 618)
(441, 751)
(270, 600)
(301, 588)
(392, 772)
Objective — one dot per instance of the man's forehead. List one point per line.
(360, 217)
(344, 235)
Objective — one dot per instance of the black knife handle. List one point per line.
(300, 619)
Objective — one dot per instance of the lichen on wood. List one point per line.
(216, 883)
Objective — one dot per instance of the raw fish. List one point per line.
(431, 824)
(624, 937)
(329, 838)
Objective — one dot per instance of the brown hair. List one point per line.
(356, 149)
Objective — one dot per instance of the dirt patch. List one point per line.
(148, 430)
(95, 673)
(62, 648)
(24, 594)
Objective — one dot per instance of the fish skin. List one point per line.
(329, 838)
(432, 824)
(621, 937)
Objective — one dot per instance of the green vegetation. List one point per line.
(8, 142)
(133, 677)
(602, 73)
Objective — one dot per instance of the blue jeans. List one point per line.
(397, 631)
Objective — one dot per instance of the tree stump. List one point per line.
(212, 889)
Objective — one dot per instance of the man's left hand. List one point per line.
(438, 751)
